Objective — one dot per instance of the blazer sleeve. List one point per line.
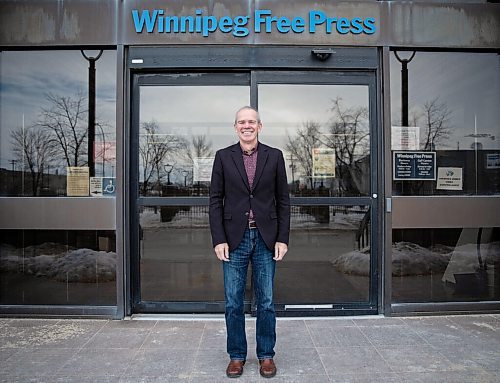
(282, 198)
(216, 205)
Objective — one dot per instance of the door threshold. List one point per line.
(220, 317)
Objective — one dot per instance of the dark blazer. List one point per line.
(231, 197)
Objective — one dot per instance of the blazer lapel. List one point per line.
(238, 161)
(261, 162)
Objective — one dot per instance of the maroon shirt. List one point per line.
(250, 162)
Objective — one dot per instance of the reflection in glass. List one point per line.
(44, 119)
(453, 100)
(177, 261)
(57, 267)
(329, 256)
(324, 133)
(181, 128)
(329, 249)
(444, 265)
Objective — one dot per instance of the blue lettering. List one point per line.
(259, 20)
(210, 25)
(225, 24)
(343, 25)
(283, 25)
(239, 26)
(298, 24)
(145, 18)
(316, 18)
(357, 26)
(370, 27)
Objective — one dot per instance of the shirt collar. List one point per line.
(251, 151)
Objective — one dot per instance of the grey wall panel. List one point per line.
(48, 22)
(93, 22)
(444, 25)
(58, 213)
(445, 212)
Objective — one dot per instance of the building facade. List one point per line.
(387, 114)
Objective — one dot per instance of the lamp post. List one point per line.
(91, 131)
(404, 87)
(185, 174)
(168, 169)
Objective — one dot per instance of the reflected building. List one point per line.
(394, 179)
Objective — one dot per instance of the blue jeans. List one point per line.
(252, 248)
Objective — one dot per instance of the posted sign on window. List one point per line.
(414, 166)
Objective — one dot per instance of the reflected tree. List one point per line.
(34, 148)
(155, 149)
(65, 119)
(349, 136)
(200, 147)
(301, 146)
(436, 117)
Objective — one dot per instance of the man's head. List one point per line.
(247, 125)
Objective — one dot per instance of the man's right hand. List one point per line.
(222, 252)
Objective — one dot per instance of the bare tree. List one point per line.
(436, 117)
(349, 136)
(200, 147)
(66, 119)
(301, 147)
(33, 148)
(155, 149)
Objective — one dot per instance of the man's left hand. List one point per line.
(280, 250)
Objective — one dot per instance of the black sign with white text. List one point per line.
(414, 166)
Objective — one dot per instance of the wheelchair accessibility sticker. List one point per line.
(103, 186)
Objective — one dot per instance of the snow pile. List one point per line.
(47, 260)
(411, 259)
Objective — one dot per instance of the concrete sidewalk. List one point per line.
(355, 349)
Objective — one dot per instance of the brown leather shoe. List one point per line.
(235, 368)
(267, 368)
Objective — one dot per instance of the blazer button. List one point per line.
(247, 213)
(251, 195)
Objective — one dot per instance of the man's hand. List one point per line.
(280, 250)
(222, 251)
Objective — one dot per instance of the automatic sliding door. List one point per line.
(323, 123)
(183, 120)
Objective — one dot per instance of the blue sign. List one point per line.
(414, 166)
(263, 21)
(109, 186)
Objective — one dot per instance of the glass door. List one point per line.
(322, 121)
(180, 120)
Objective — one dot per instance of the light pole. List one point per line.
(91, 132)
(185, 174)
(404, 87)
(168, 169)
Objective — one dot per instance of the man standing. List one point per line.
(250, 222)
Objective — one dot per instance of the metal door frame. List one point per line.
(221, 65)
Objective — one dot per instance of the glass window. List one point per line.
(452, 143)
(44, 123)
(57, 267)
(445, 265)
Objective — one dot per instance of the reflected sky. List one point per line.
(26, 77)
(469, 84)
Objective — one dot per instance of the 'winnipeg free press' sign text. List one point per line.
(157, 21)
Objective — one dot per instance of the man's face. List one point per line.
(247, 126)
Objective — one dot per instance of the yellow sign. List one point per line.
(323, 162)
(77, 181)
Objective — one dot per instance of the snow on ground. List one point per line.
(57, 262)
(411, 259)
